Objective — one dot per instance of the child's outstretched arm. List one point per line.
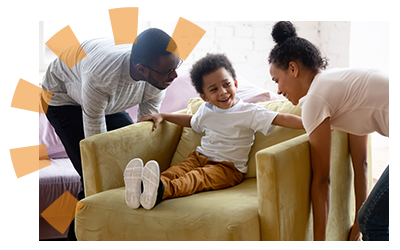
(288, 121)
(179, 119)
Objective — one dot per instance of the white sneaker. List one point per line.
(151, 180)
(133, 179)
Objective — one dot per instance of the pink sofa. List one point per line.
(60, 176)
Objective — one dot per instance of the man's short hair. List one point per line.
(150, 45)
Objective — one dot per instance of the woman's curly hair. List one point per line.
(289, 47)
(207, 65)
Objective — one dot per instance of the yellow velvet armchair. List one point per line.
(272, 203)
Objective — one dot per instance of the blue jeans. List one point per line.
(373, 217)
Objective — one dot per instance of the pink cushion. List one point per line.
(253, 94)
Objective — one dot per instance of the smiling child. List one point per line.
(221, 160)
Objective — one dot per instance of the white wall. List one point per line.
(369, 47)
(335, 42)
(248, 44)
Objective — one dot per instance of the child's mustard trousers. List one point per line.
(196, 174)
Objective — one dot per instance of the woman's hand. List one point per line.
(355, 234)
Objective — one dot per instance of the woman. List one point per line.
(355, 101)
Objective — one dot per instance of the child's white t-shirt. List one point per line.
(356, 100)
(229, 133)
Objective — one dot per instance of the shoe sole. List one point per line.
(151, 180)
(132, 179)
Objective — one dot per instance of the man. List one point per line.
(92, 96)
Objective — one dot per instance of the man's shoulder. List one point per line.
(103, 51)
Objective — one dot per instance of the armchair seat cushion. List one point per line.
(229, 214)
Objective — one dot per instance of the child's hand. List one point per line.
(156, 118)
(288, 121)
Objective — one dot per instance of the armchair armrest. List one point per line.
(105, 156)
(284, 182)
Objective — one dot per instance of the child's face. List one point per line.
(220, 89)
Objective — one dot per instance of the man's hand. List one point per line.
(179, 119)
(156, 118)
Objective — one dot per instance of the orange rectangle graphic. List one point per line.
(185, 38)
(27, 96)
(124, 23)
(67, 47)
(27, 160)
(62, 211)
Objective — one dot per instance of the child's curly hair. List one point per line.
(207, 65)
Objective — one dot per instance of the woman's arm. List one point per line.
(320, 147)
(179, 119)
(358, 150)
(288, 121)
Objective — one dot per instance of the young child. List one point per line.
(221, 160)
